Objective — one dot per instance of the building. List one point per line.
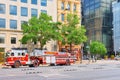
(65, 7)
(68, 6)
(97, 16)
(14, 12)
(116, 25)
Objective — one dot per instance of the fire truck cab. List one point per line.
(16, 57)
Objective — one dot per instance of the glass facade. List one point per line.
(116, 26)
(24, 11)
(2, 9)
(34, 12)
(13, 10)
(97, 16)
(2, 23)
(43, 2)
(13, 24)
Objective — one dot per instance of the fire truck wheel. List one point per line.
(68, 62)
(16, 64)
(35, 63)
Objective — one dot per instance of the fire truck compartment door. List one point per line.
(50, 59)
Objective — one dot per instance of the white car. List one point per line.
(117, 57)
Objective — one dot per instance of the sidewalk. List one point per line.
(99, 62)
(0, 65)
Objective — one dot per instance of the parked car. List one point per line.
(117, 57)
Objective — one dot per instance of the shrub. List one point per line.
(1, 57)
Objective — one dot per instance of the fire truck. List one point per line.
(17, 57)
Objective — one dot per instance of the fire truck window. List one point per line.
(23, 54)
(12, 54)
(18, 54)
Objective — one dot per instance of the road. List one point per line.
(104, 71)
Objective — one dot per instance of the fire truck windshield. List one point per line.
(7, 54)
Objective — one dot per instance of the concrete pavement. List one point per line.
(99, 62)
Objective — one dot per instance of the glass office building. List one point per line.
(97, 18)
(116, 25)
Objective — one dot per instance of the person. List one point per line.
(89, 56)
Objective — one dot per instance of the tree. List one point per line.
(40, 30)
(97, 48)
(72, 32)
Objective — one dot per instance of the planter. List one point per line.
(112, 57)
(106, 57)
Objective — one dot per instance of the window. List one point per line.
(24, 11)
(24, 1)
(62, 5)
(2, 39)
(23, 22)
(18, 54)
(43, 2)
(13, 0)
(44, 11)
(33, 1)
(23, 54)
(34, 12)
(2, 9)
(62, 17)
(74, 8)
(13, 40)
(12, 54)
(2, 23)
(13, 10)
(68, 6)
(13, 24)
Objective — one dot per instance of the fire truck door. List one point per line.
(50, 59)
(53, 60)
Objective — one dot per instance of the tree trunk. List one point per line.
(70, 47)
(41, 46)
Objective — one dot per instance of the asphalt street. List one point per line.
(93, 71)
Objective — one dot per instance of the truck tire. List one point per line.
(36, 63)
(16, 64)
(67, 62)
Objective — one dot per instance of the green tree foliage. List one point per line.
(72, 32)
(97, 48)
(40, 30)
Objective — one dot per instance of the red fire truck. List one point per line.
(20, 57)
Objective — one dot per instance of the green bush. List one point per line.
(1, 57)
